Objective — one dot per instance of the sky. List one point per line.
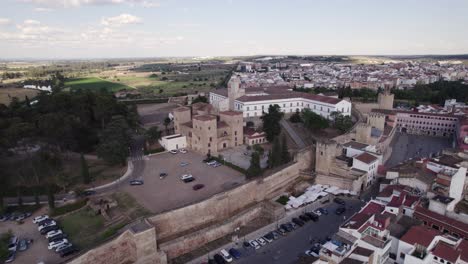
(74, 29)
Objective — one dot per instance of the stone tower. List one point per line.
(204, 136)
(363, 133)
(325, 154)
(181, 115)
(234, 91)
(235, 123)
(385, 99)
(376, 120)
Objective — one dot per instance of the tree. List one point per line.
(50, 196)
(313, 121)
(254, 170)
(114, 142)
(153, 135)
(343, 123)
(296, 117)
(200, 99)
(271, 125)
(167, 121)
(275, 155)
(285, 156)
(259, 149)
(84, 170)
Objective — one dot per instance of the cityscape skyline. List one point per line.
(145, 28)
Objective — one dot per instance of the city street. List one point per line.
(287, 249)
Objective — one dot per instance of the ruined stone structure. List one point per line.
(385, 100)
(377, 120)
(234, 91)
(206, 132)
(363, 133)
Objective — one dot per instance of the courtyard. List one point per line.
(158, 195)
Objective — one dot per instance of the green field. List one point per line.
(94, 83)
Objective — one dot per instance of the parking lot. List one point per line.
(37, 251)
(159, 195)
(241, 157)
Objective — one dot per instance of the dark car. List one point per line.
(68, 251)
(269, 237)
(187, 180)
(89, 193)
(235, 253)
(45, 230)
(286, 228)
(289, 227)
(340, 210)
(45, 221)
(162, 175)
(298, 222)
(246, 245)
(198, 186)
(312, 216)
(339, 201)
(282, 231)
(219, 259)
(211, 261)
(57, 237)
(305, 218)
(275, 234)
(11, 257)
(323, 211)
(22, 245)
(136, 182)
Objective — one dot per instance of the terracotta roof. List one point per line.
(362, 251)
(366, 158)
(275, 96)
(395, 111)
(388, 191)
(420, 235)
(360, 218)
(446, 251)
(231, 113)
(204, 117)
(355, 145)
(442, 220)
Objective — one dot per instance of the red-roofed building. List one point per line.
(441, 222)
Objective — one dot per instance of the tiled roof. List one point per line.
(355, 145)
(445, 251)
(360, 218)
(420, 235)
(442, 220)
(276, 96)
(231, 113)
(362, 251)
(366, 158)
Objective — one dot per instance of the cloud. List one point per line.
(78, 3)
(123, 19)
(4, 21)
(43, 9)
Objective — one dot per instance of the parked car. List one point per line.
(45, 221)
(246, 245)
(314, 251)
(269, 237)
(184, 163)
(3, 218)
(339, 201)
(22, 245)
(304, 218)
(62, 247)
(183, 151)
(137, 182)
(11, 257)
(294, 226)
(254, 244)
(57, 237)
(13, 245)
(262, 241)
(282, 231)
(187, 178)
(323, 211)
(68, 251)
(198, 186)
(173, 151)
(40, 218)
(275, 234)
(55, 244)
(289, 227)
(340, 210)
(211, 162)
(217, 164)
(235, 253)
(226, 255)
(312, 216)
(162, 175)
(53, 233)
(48, 229)
(89, 193)
(219, 259)
(298, 222)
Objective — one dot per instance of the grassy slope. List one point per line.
(95, 83)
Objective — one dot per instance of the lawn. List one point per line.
(82, 227)
(94, 83)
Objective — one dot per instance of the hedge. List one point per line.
(69, 207)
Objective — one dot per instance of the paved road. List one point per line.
(406, 146)
(288, 249)
(295, 137)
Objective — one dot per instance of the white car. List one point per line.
(318, 212)
(183, 151)
(63, 246)
(53, 233)
(262, 241)
(186, 176)
(40, 218)
(173, 151)
(311, 253)
(51, 223)
(211, 163)
(254, 244)
(55, 244)
(226, 255)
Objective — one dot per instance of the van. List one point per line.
(226, 255)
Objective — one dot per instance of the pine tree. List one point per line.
(285, 156)
(84, 170)
(276, 153)
(254, 170)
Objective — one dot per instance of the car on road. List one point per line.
(53, 233)
(198, 187)
(22, 245)
(298, 221)
(47, 224)
(40, 218)
(173, 151)
(226, 255)
(254, 244)
(321, 211)
(136, 182)
(13, 245)
(312, 216)
(68, 251)
(11, 257)
(55, 244)
(184, 163)
(63, 246)
(48, 229)
(219, 259)
(340, 210)
(304, 218)
(89, 193)
(262, 241)
(183, 151)
(339, 201)
(162, 175)
(235, 253)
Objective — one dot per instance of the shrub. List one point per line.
(283, 199)
(69, 207)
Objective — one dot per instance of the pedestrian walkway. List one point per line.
(292, 133)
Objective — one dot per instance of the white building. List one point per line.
(176, 141)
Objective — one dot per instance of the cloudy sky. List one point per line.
(150, 28)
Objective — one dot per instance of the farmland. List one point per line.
(7, 93)
(94, 83)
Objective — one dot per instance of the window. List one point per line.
(255, 107)
(209, 128)
(402, 255)
(211, 139)
(248, 108)
(235, 133)
(209, 145)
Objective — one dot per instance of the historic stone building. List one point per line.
(206, 132)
